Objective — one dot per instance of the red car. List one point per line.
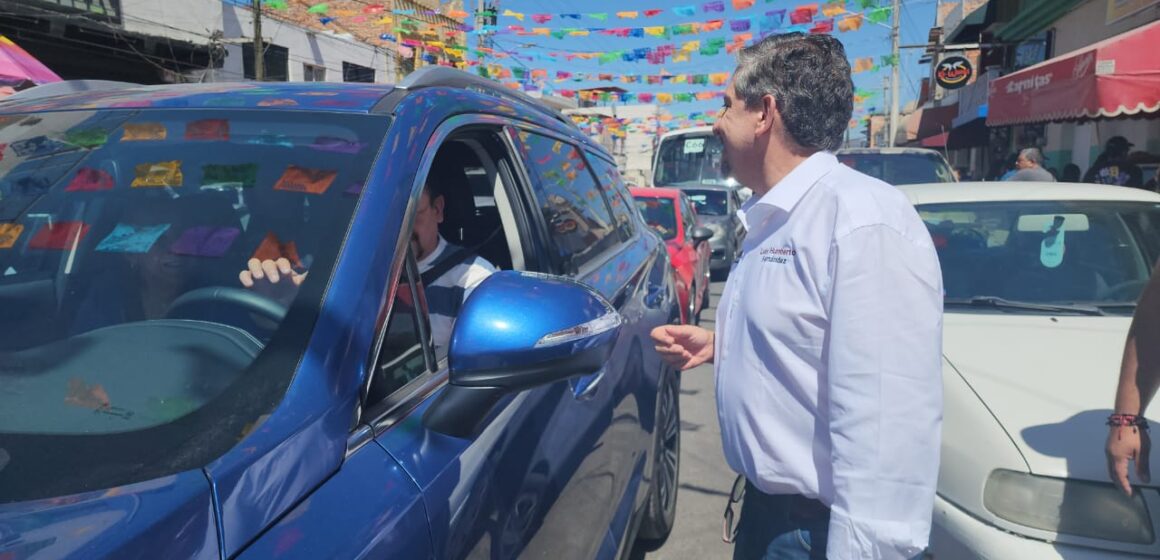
(673, 216)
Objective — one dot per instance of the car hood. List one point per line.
(1048, 380)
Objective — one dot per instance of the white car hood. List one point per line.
(1050, 381)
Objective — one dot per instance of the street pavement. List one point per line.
(704, 477)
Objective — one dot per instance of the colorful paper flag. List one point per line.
(850, 23)
(831, 9)
(823, 26)
(685, 11)
(305, 180)
(87, 137)
(742, 4)
(208, 129)
(714, 6)
(205, 241)
(317, 9)
(58, 235)
(90, 179)
(160, 174)
(627, 15)
(878, 15)
(802, 15)
(240, 176)
(272, 249)
(126, 238)
(9, 233)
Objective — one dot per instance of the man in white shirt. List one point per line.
(827, 353)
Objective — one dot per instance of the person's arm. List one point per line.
(1139, 380)
(883, 389)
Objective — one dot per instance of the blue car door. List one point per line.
(542, 474)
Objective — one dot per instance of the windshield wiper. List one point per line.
(1000, 303)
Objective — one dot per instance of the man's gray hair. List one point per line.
(809, 79)
(1033, 155)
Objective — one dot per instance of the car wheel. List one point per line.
(661, 509)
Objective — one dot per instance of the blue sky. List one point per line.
(870, 41)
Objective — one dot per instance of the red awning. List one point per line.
(936, 141)
(1117, 76)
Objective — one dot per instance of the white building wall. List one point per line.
(192, 21)
(305, 47)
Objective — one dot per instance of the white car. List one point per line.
(1041, 281)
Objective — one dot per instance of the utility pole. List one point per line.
(259, 48)
(894, 74)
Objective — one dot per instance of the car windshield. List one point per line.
(689, 159)
(1090, 254)
(660, 214)
(901, 168)
(709, 202)
(122, 237)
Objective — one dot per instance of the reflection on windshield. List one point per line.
(122, 236)
(689, 159)
(1074, 252)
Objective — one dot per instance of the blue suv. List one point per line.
(152, 406)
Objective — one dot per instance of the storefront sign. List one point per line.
(953, 72)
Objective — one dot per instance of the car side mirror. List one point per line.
(520, 330)
(701, 233)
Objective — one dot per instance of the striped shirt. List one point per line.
(448, 292)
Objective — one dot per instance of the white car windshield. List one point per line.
(1095, 254)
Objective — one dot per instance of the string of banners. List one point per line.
(824, 18)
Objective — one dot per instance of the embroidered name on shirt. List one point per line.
(777, 256)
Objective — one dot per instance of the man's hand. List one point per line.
(683, 346)
(1125, 444)
(266, 277)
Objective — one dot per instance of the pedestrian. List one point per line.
(1029, 167)
(1113, 167)
(827, 352)
(1128, 439)
(1071, 174)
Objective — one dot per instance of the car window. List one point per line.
(122, 237)
(579, 221)
(689, 159)
(619, 199)
(402, 356)
(901, 168)
(659, 214)
(688, 215)
(709, 202)
(1045, 252)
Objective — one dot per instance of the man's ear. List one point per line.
(437, 205)
(768, 114)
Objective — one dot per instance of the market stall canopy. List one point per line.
(18, 67)
(1116, 77)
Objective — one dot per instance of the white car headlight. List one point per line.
(1066, 506)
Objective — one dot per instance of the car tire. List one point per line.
(661, 508)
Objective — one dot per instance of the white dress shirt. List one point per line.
(828, 356)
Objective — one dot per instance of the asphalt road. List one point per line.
(704, 478)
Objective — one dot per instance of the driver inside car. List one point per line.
(449, 272)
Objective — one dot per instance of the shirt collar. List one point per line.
(429, 260)
(787, 192)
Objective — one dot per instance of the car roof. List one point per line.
(690, 130)
(704, 187)
(655, 192)
(322, 96)
(1002, 191)
(887, 151)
